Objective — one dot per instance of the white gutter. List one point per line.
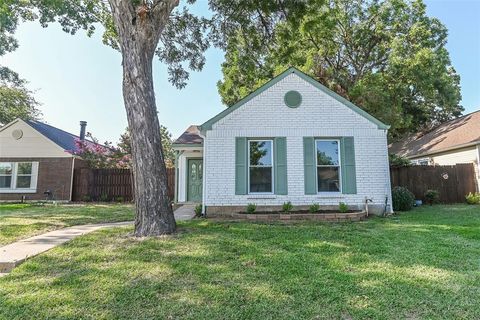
(204, 176)
(478, 167)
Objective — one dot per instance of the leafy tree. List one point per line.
(141, 30)
(388, 57)
(125, 146)
(16, 102)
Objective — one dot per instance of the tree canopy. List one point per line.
(387, 57)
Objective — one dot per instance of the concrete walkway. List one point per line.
(15, 253)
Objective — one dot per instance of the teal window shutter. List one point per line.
(349, 176)
(241, 165)
(280, 165)
(309, 163)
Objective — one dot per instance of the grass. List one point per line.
(19, 221)
(421, 264)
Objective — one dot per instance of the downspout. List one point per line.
(478, 167)
(71, 179)
(177, 155)
(388, 183)
(204, 176)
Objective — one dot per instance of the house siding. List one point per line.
(54, 174)
(319, 115)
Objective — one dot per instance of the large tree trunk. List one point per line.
(139, 32)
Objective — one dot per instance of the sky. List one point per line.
(78, 78)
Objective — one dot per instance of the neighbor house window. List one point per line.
(328, 165)
(24, 175)
(18, 176)
(6, 173)
(260, 169)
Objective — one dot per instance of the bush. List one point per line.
(398, 161)
(86, 198)
(314, 208)
(120, 199)
(103, 197)
(473, 198)
(431, 196)
(342, 207)
(287, 206)
(198, 210)
(402, 199)
(251, 207)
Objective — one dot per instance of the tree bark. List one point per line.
(139, 29)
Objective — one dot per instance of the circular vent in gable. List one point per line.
(293, 99)
(17, 134)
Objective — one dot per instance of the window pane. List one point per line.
(261, 179)
(327, 153)
(261, 153)
(23, 181)
(5, 168)
(328, 179)
(24, 168)
(5, 181)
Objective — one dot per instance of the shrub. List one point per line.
(251, 207)
(198, 210)
(119, 199)
(86, 198)
(473, 198)
(314, 208)
(402, 199)
(431, 196)
(342, 207)
(398, 161)
(287, 206)
(103, 197)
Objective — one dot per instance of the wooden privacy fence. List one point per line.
(109, 184)
(452, 182)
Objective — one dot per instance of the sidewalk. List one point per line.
(15, 253)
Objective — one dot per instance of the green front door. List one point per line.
(194, 180)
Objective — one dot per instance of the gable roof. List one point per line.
(191, 136)
(456, 133)
(63, 139)
(208, 124)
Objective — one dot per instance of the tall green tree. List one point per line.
(388, 57)
(16, 101)
(141, 30)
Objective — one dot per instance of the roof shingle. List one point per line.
(190, 136)
(449, 135)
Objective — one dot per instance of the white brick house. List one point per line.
(290, 140)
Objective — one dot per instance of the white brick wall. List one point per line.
(319, 115)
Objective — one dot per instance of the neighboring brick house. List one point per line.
(290, 140)
(452, 142)
(36, 158)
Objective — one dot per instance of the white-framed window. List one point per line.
(328, 165)
(421, 162)
(18, 177)
(260, 166)
(6, 175)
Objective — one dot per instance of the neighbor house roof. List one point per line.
(62, 138)
(457, 133)
(190, 137)
(208, 125)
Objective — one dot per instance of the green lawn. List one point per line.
(421, 264)
(19, 221)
